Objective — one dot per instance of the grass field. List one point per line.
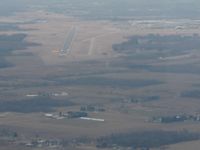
(94, 73)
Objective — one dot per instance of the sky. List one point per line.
(101, 8)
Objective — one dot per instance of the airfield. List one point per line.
(74, 60)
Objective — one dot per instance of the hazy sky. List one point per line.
(187, 8)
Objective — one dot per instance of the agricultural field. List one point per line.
(90, 82)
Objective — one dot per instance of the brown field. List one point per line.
(36, 73)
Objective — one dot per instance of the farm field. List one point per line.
(68, 82)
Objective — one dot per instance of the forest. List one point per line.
(158, 42)
(37, 104)
(146, 139)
